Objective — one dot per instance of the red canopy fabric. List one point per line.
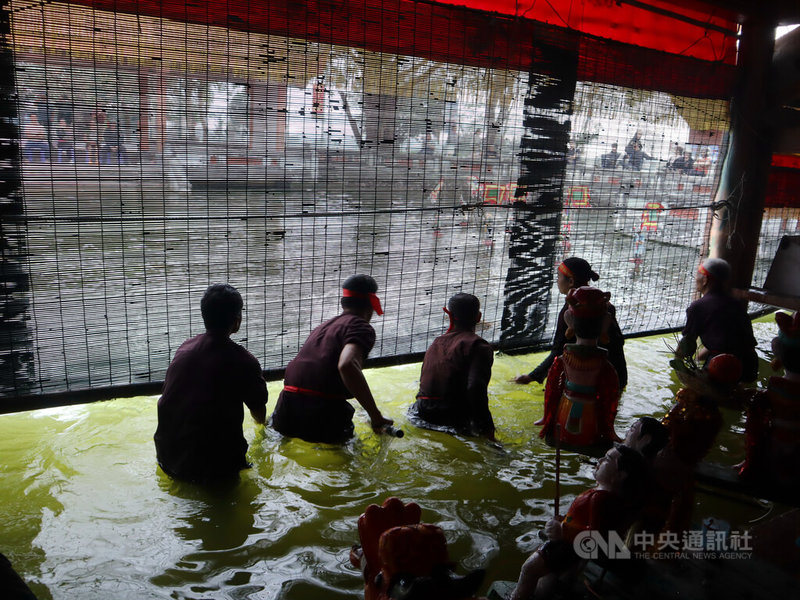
(786, 161)
(783, 185)
(670, 56)
(631, 24)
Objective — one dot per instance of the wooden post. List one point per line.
(161, 118)
(144, 111)
(735, 232)
(281, 117)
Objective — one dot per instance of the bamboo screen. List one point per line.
(154, 157)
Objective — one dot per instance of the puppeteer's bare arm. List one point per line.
(350, 368)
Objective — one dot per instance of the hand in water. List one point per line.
(494, 444)
(379, 422)
(524, 378)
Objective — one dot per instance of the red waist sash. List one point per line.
(298, 390)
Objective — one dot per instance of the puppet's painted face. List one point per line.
(607, 471)
(633, 439)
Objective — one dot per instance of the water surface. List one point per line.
(88, 515)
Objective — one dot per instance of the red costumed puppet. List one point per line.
(693, 424)
(403, 558)
(608, 507)
(772, 433)
(582, 389)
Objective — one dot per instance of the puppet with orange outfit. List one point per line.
(403, 558)
(693, 424)
(582, 389)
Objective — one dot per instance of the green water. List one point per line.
(87, 515)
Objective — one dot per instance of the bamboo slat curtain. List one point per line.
(155, 148)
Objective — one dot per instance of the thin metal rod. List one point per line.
(557, 499)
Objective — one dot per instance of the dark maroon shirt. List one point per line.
(200, 413)
(454, 381)
(317, 410)
(316, 366)
(722, 324)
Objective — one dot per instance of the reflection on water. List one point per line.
(87, 514)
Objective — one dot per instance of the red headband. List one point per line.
(452, 319)
(703, 271)
(564, 270)
(373, 299)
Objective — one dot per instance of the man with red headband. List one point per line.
(455, 375)
(328, 370)
(719, 320)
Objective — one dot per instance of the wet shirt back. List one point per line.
(454, 379)
(722, 324)
(316, 366)
(200, 412)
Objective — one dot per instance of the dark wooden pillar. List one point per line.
(735, 231)
(534, 245)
